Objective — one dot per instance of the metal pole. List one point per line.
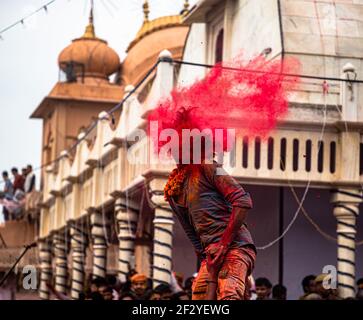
(26, 248)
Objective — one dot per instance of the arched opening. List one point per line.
(219, 47)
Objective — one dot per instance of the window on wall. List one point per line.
(48, 148)
(219, 47)
(215, 33)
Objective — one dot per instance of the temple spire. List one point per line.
(186, 8)
(90, 29)
(146, 10)
(186, 5)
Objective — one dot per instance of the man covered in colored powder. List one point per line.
(212, 207)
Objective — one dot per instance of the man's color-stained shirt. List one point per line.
(204, 207)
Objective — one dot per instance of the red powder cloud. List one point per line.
(249, 100)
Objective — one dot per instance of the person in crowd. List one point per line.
(320, 288)
(96, 296)
(174, 284)
(8, 194)
(252, 291)
(181, 295)
(359, 295)
(8, 186)
(8, 289)
(155, 295)
(82, 296)
(263, 288)
(308, 285)
(188, 286)
(312, 296)
(179, 278)
(323, 288)
(114, 283)
(96, 283)
(126, 286)
(360, 283)
(139, 287)
(149, 285)
(23, 173)
(106, 292)
(126, 296)
(279, 292)
(16, 206)
(161, 292)
(29, 184)
(18, 180)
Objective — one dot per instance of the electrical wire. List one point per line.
(22, 20)
(292, 75)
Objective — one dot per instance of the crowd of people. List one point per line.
(314, 288)
(139, 287)
(12, 198)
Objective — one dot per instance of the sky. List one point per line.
(29, 53)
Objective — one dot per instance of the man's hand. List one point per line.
(212, 268)
(216, 253)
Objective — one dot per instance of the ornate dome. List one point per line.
(154, 25)
(89, 56)
(168, 32)
(150, 26)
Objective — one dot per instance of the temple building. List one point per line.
(95, 215)
(306, 177)
(102, 209)
(86, 65)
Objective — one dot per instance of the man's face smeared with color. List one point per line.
(139, 286)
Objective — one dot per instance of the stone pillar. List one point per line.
(45, 258)
(99, 244)
(79, 245)
(163, 240)
(60, 253)
(143, 257)
(127, 224)
(346, 202)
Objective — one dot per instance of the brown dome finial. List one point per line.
(90, 29)
(146, 10)
(89, 56)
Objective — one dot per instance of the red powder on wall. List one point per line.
(250, 100)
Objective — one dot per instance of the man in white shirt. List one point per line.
(29, 184)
